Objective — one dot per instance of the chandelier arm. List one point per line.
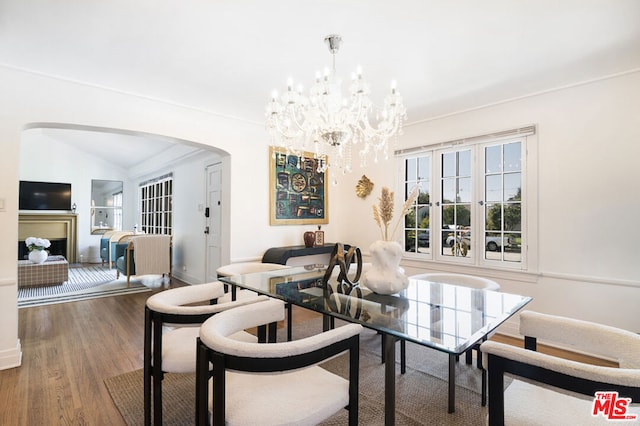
(299, 125)
(279, 128)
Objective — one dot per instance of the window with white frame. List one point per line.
(156, 205)
(472, 198)
(117, 210)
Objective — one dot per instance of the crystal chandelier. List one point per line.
(330, 125)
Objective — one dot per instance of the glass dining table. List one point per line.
(445, 317)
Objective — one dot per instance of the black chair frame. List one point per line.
(222, 362)
(498, 366)
(153, 323)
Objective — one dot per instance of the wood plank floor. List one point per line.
(68, 350)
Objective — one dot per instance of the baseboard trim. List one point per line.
(11, 358)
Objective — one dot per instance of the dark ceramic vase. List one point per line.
(309, 239)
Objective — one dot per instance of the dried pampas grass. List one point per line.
(383, 212)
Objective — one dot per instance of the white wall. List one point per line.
(29, 98)
(588, 162)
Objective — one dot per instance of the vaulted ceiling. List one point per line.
(227, 56)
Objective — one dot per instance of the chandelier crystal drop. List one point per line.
(333, 126)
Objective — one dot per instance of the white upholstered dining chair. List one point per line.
(272, 383)
(171, 326)
(471, 281)
(548, 390)
(241, 268)
(247, 268)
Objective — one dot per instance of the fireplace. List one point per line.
(59, 228)
(58, 247)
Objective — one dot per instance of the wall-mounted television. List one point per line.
(44, 196)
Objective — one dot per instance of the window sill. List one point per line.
(461, 268)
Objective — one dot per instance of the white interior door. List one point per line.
(213, 221)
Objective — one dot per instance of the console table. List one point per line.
(53, 271)
(282, 255)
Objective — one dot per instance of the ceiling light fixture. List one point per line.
(330, 125)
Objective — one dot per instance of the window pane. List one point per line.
(410, 240)
(463, 215)
(449, 190)
(423, 196)
(410, 169)
(493, 159)
(464, 163)
(512, 217)
(448, 216)
(493, 188)
(449, 164)
(458, 243)
(410, 219)
(424, 168)
(512, 187)
(423, 240)
(512, 157)
(464, 190)
(493, 217)
(423, 216)
(493, 241)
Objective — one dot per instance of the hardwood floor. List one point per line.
(68, 350)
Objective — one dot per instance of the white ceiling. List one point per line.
(124, 149)
(228, 56)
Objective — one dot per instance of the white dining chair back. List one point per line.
(275, 383)
(472, 281)
(247, 268)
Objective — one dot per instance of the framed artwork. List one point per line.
(297, 191)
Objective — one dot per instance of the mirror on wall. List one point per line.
(106, 206)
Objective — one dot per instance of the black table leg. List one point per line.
(452, 383)
(327, 322)
(289, 322)
(389, 380)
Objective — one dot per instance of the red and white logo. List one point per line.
(612, 407)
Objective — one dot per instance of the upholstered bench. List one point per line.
(54, 271)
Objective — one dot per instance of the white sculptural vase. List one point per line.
(38, 256)
(385, 276)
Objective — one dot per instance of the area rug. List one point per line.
(80, 278)
(421, 397)
(84, 283)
